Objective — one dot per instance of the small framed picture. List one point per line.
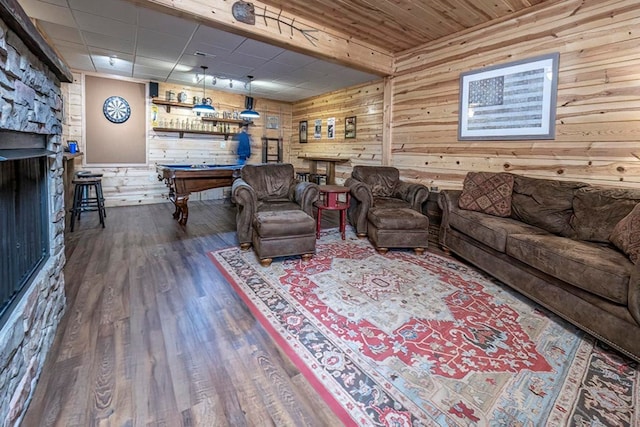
(317, 130)
(273, 122)
(350, 127)
(331, 128)
(302, 129)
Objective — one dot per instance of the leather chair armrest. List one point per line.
(306, 194)
(412, 193)
(247, 204)
(361, 202)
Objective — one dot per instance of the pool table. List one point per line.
(183, 180)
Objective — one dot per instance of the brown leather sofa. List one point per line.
(269, 187)
(554, 248)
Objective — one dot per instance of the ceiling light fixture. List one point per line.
(202, 107)
(249, 113)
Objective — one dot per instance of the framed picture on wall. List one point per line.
(302, 129)
(273, 122)
(350, 127)
(317, 130)
(331, 128)
(516, 100)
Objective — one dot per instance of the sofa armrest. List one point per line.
(306, 194)
(414, 194)
(361, 202)
(246, 203)
(448, 201)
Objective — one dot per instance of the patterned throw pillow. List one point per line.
(487, 192)
(626, 235)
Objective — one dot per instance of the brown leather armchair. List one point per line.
(268, 187)
(380, 187)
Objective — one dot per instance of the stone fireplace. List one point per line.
(31, 109)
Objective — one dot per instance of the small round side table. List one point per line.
(330, 200)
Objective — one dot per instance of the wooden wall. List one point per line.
(598, 109)
(139, 185)
(365, 102)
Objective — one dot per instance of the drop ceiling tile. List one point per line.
(119, 10)
(275, 68)
(96, 51)
(151, 71)
(120, 66)
(294, 59)
(160, 22)
(115, 44)
(155, 63)
(218, 38)
(105, 26)
(243, 60)
(60, 32)
(46, 11)
(209, 50)
(153, 44)
(76, 60)
(258, 49)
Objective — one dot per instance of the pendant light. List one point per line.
(249, 113)
(203, 107)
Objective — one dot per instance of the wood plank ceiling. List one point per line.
(398, 25)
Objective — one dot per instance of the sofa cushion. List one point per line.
(381, 179)
(596, 268)
(487, 192)
(596, 211)
(626, 235)
(545, 203)
(488, 229)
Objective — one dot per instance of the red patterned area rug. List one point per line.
(407, 340)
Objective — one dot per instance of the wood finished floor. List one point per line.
(153, 334)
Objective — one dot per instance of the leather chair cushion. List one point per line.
(381, 179)
(283, 223)
(269, 181)
(397, 219)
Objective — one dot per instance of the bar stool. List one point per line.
(89, 174)
(87, 196)
(302, 176)
(318, 178)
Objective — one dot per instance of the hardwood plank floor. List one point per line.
(154, 335)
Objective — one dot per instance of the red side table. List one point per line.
(330, 199)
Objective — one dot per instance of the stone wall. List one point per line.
(30, 101)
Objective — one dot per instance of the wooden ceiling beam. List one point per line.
(279, 28)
